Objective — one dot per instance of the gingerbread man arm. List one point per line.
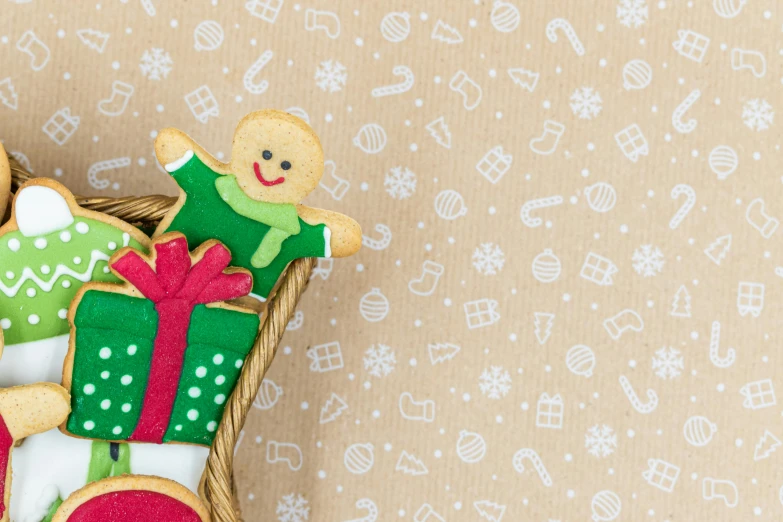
(171, 145)
(346, 237)
(33, 408)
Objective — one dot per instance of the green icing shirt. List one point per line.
(205, 215)
(40, 275)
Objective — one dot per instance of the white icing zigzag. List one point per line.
(29, 275)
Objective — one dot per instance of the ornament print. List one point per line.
(565, 304)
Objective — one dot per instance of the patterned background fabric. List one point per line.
(567, 304)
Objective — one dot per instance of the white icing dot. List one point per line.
(192, 414)
(220, 398)
(194, 392)
(89, 425)
(40, 243)
(105, 352)
(33, 319)
(66, 284)
(9, 275)
(65, 236)
(220, 379)
(239, 363)
(45, 269)
(126, 408)
(62, 313)
(14, 244)
(106, 270)
(117, 430)
(112, 245)
(5, 323)
(217, 359)
(77, 260)
(178, 427)
(30, 292)
(105, 374)
(89, 389)
(105, 404)
(132, 349)
(126, 379)
(201, 371)
(212, 426)
(82, 227)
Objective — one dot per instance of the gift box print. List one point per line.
(117, 394)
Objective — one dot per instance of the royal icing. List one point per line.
(46, 259)
(165, 371)
(49, 467)
(134, 506)
(205, 215)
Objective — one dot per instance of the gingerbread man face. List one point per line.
(276, 157)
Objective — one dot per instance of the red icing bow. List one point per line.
(176, 286)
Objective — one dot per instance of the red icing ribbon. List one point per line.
(6, 442)
(175, 288)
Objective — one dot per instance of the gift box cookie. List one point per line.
(155, 359)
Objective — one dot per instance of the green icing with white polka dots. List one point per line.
(115, 334)
(40, 275)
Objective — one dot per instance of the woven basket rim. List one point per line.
(218, 488)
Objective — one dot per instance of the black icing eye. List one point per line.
(267, 155)
(285, 165)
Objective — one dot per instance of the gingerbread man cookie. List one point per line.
(251, 204)
(25, 411)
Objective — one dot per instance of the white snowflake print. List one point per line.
(647, 260)
(600, 441)
(495, 382)
(293, 508)
(488, 259)
(379, 360)
(758, 114)
(155, 64)
(400, 183)
(586, 103)
(331, 76)
(668, 363)
(632, 13)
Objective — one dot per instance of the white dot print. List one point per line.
(126, 380)
(125, 407)
(220, 398)
(40, 243)
(82, 227)
(89, 425)
(194, 392)
(89, 389)
(192, 415)
(220, 379)
(104, 352)
(65, 236)
(14, 244)
(217, 359)
(201, 372)
(33, 319)
(132, 349)
(105, 404)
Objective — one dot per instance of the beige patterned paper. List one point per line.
(567, 304)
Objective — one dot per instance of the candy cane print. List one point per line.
(103, 166)
(717, 360)
(149, 7)
(568, 29)
(535, 204)
(690, 201)
(538, 464)
(684, 127)
(253, 84)
(398, 88)
(370, 507)
(652, 397)
(378, 244)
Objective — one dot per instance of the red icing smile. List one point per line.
(264, 182)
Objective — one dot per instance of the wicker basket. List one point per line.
(218, 489)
